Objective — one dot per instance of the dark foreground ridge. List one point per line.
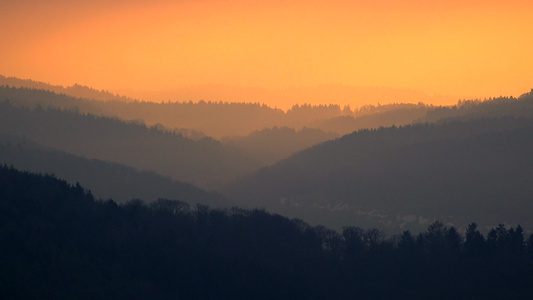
(58, 242)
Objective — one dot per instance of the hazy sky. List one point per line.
(462, 48)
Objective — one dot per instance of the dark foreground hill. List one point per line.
(58, 242)
(405, 177)
(105, 179)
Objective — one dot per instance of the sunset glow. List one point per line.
(459, 48)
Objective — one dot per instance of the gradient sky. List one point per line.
(461, 48)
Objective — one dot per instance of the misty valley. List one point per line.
(104, 196)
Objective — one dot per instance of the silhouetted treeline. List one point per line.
(405, 177)
(369, 117)
(58, 242)
(489, 108)
(372, 116)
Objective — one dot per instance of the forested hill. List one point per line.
(206, 162)
(105, 179)
(215, 119)
(58, 242)
(273, 144)
(75, 90)
(490, 108)
(222, 119)
(404, 177)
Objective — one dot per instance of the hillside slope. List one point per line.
(206, 163)
(273, 144)
(404, 177)
(105, 179)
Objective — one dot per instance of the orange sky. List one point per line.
(460, 48)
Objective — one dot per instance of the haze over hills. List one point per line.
(403, 177)
(224, 119)
(204, 163)
(215, 119)
(273, 144)
(327, 184)
(229, 120)
(285, 98)
(375, 117)
(270, 144)
(75, 90)
(105, 180)
(266, 149)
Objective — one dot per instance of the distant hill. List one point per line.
(475, 109)
(263, 147)
(273, 144)
(375, 117)
(404, 177)
(220, 119)
(75, 90)
(206, 163)
(372, 116)
(343, 95)
(105, 179)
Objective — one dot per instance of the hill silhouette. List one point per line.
(59, 242)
